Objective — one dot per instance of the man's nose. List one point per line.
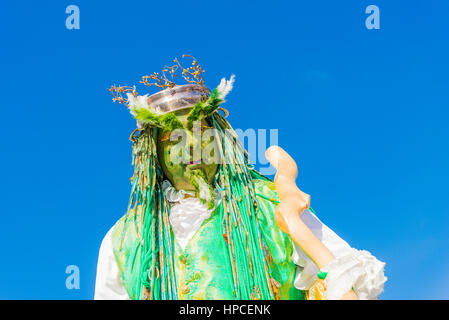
(194, 145)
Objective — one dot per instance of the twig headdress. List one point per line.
(158, 109)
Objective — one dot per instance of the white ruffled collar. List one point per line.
(186, 214)
(173, 195)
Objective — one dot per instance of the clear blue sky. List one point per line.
(363, 112)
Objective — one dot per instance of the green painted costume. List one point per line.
(238, 252)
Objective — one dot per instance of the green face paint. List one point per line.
(184, 154)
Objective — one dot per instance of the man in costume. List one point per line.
(203, 224)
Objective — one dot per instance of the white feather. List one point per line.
(140, 102)
(225, 87)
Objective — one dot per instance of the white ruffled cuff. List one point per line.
(359, 270)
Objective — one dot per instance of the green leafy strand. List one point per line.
(204, 109)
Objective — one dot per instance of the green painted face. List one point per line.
(183, 151)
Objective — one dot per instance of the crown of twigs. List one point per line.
(166, 79)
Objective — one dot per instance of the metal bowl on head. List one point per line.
(178, 97)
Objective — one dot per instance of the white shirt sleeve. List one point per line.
(352, 268)
(109, 284)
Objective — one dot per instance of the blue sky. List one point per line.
(363, 112)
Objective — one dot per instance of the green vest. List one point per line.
(203, 269)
